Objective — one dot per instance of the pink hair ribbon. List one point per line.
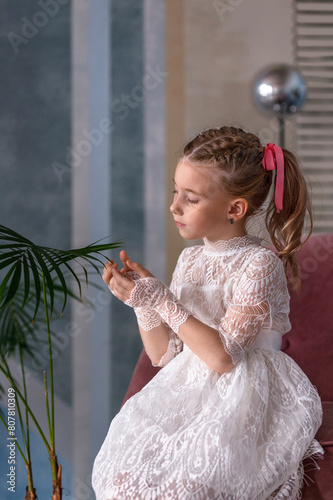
(274, 160)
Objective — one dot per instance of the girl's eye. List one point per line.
(186, 200)
(192, 201)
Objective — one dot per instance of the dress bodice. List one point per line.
(238, 287)
(231, 246)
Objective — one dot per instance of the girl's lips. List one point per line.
(179, 224)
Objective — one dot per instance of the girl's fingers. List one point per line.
(121, 286)
(133, 266)
(107, 271)
(140, 270)
(124, 258)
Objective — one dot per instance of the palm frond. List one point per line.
(29, 262)
(36, 276)
(21, 327)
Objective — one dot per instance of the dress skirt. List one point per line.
(194, 434)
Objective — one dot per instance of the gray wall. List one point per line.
(34, 121)
(35, 130)
(127, 173)
(62, 72)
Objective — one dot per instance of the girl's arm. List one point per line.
(155, 342)
(206, 343)
(203, 340)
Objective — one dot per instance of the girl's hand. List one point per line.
(107, 271)
(122, 282)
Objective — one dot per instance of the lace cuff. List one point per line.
(231, 346)
(240, 327)
(151, 293)
(175, 346)
(147, 318)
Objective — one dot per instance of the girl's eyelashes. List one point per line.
(187, 199)
(191, 201)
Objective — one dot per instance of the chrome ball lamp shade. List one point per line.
(280, 90)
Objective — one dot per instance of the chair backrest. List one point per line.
(310, 341)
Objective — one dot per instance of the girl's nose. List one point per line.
(175, 207)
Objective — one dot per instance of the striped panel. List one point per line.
(313, 55)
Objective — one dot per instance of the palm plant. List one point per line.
(35, 278)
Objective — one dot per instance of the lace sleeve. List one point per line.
(175, 345)
(259, 296)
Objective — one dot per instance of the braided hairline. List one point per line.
(245, 144)
(200, 147)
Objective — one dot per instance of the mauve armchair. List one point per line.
(309, 343)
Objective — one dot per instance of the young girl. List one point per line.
(229, 416)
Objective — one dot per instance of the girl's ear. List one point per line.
(238, 209)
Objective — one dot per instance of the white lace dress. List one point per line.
(193, 434)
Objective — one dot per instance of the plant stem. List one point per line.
(26, 436)
(54, 466)
(31, 488)
(51, 364)
(27, 406)
(47, 404)
(16, 443)
(31, 495)
(10, 378)
(27, 460)
(55, 469)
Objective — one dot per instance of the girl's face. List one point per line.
(199, 207)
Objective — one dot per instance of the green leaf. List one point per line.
(13, 253)
(8, 341)
(26, 273)
(36, 277)
(47, 275)
(54, 266)
(75, 277)
(64, 257)
(10, 245)
(12, 235)
(5, 281)
(14, 284)
(8, 262)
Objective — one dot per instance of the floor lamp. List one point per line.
(280, 90)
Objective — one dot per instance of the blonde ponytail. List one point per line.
(286, 228)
